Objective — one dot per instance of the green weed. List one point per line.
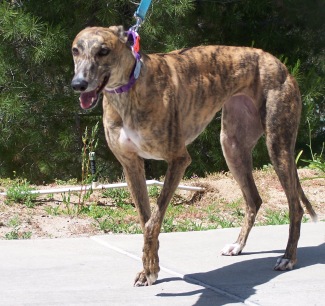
(52, 210)
(168, 225)
(273, 217)
(317, 162)
(15, 233)
(90, 143)
(20, 192)
(120, 196)
(68, 182)
(110, 224)
(276, 217)
(153, 191)
(12, 235)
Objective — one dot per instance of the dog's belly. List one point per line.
(132, 141)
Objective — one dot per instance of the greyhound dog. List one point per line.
(158, 112)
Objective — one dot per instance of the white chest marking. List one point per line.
(132, 141)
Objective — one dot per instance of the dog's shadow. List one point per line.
(240, 279)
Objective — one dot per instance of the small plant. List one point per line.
(168, 225)
(106, 225)
(70, 208)
(317, 162)
(20, 192)
(120, 196)
(276, 217)
(90, 143)
(69, 182)
(267, 168)
(110, 224)
(153, 191)
(14, 222)
(191, 225)
(14, 233)
(51, 210)
(50, 196)
(224, 222)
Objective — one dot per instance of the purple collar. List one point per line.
(125, 87)
(134, 40)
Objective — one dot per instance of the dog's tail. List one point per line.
(304, 200)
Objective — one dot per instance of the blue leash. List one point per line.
(140, 13)
(142, 9)
(134, 40)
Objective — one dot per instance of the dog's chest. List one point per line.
(133, 141)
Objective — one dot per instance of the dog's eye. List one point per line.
(75, 51)
(103, 52)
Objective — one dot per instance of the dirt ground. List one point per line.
(219, 188)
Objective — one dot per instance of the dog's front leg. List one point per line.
(175, 172)
(134, 172)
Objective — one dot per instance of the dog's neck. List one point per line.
(132, 79)
(135, 72)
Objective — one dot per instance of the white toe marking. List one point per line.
(283, 264)
(231, 249)
(152, 278)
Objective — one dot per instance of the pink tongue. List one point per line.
(87, 99)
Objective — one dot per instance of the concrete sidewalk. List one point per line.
(99, 270)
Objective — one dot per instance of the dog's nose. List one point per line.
(79, 84)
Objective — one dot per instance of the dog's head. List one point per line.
(98, 54)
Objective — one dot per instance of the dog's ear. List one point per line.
(119, 32)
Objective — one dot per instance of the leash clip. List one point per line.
(137, 25)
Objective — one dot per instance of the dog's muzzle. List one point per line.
(88, 99)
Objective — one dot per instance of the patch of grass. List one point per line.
(14, 234)
(267, 168)
(52, 210)
(14, 222)
(275, 217)
(232, 218)
(223, 222)
(50, 196)
(70, 209)
(120, 196)
(68, 182)
(5, 182)
(153, 191)
(317, 162)
(168, 225)
(236, 211)
(117, 225)
(115, 219)
(20, 192)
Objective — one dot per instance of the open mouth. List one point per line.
(90, 99)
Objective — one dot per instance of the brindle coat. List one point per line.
(171, 103)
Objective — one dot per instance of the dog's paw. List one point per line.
(283, 264)
(145, 280)
(231, 249)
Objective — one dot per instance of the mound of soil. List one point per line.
(42, 222)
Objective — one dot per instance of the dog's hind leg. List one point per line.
(281, 155)
(241, 128)
(282, 122)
